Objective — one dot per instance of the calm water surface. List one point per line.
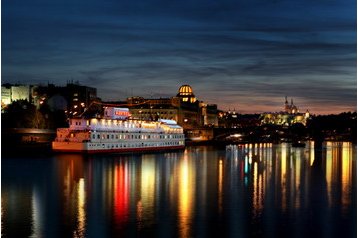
(258, 190)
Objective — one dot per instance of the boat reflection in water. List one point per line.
(251, 190)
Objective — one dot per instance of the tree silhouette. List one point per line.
(22, 114)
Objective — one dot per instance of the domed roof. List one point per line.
(185, 90)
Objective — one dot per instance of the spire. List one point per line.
(291, 101)
(286, 100)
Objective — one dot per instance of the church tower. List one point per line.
(287, 107)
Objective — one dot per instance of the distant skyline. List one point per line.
(246, 54)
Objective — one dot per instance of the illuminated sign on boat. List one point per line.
(117, 113)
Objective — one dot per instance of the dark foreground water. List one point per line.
(260, 190)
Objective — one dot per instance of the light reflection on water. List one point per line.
(254, 190)
(186, 184)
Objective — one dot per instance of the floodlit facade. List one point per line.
(184, 108)
(290, 115)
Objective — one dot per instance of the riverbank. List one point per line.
(23, 141)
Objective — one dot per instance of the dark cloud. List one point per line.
(245, 53)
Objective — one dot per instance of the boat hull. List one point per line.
(68, 147)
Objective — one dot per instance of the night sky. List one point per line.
(243, 54)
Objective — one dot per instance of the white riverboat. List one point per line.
(116, 133)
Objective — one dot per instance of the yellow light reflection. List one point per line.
(148, 188)
(258, 191)
(283, 175)
(346, 174)
(311, 152)
(255, 187)
(329, 171)
(220, 185)
(260, 194)
(297, 170)
(186, 185)
(81, 211)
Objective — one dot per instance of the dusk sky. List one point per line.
(243, 54)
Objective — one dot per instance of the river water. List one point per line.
(255, 190)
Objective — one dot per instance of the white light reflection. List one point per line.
(36, 215)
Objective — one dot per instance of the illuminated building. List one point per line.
(11, 93)
(5, 96)
(193, 115)
(74, 98)
(290, 115)
(79, 97)
(20, 92)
